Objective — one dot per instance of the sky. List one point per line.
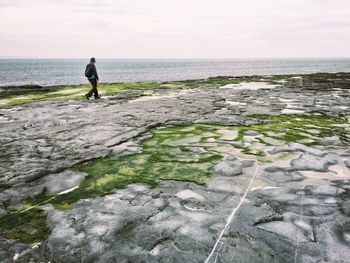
(174, 28)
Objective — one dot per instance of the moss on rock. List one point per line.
(182, 152)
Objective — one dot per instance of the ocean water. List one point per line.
(48, 72)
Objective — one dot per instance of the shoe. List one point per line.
(96, 98)
(87, 96)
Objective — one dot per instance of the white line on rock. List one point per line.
(229, 220)
(199, 120)
(296, 236)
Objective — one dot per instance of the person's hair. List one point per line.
(92, 60)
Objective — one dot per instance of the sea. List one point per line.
(51, 72)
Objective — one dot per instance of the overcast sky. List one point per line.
(175, 28)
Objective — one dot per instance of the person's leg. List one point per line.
(93, 88)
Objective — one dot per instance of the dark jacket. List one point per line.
(94, 71)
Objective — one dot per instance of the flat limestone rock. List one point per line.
(231, 166)
(324, 190)
(309, 161)
(285, 229)
(282, 175)
(347, 163)
(292, 147)
(222, 184)
(188, 194)
(251, 133)
(297, 210)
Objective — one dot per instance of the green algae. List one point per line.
(285, 80)
(77, 93)
(182, 152)
(28, 226)
(168, 157)
(294, 128)
(188, 152)
(31, 98)
(144, 88)
(165, 156)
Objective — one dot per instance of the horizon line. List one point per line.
(203, 58)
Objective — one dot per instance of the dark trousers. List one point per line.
(94, 88)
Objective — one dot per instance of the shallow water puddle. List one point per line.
(292, 111)
(235, 103)
(152, 97)
(250, 86)
(68, 91)
(4, 102)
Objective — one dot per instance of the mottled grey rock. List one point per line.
(111, 227)
(245, 249)
(285, 229)
(188, 194)
(345, 208)
(347, 163)
(278, 174)
(222, 184)
(251, 133)
(309, 161)
(324, 190)
(292, 147)
(2, 212)
(334, 142)
(230, 166)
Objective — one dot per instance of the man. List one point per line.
(91, 74)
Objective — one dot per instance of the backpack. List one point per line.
(89, 70)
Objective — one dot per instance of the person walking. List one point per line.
(92, 76)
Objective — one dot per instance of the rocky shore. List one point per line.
(228, 169)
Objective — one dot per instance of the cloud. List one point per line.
(8, 3)
(158, 28)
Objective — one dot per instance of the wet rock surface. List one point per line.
(20, 90)
(296, 209)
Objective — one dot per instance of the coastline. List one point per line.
(68, 72)
(9, 94)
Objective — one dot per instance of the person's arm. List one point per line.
(95, 72)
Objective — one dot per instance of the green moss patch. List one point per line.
(295, 128)
(170, 154)
(77, 93)
(28, 226)
(145, 88)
